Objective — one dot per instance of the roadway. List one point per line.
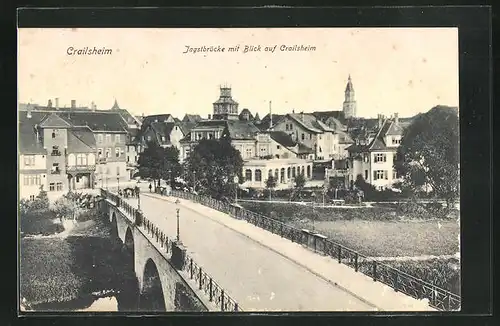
(258, 278)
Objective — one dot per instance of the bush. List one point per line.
(39, 222)
(444, 273)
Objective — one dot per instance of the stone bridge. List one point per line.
(161, 286)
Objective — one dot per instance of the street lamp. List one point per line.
(178, 210)
(138, 198)
(236, 180)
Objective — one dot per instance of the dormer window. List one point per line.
(162, 138)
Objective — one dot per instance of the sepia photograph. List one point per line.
(238, 170)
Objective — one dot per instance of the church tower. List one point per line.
(349, 106)
(225, 108)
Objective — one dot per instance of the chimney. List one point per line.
(270, 116)
(293, 110)
(57, 103)
(302, 115)
(49, 104)
(93, 106)
(73, 104)
(380, 120)
(209, 117)
(396, 118)
(28, 114)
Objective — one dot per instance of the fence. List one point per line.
(205, 282)
(439, 298)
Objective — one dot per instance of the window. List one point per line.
(99, 152)
(51, 186)
(380, 158)
(162, 138)
(303, 137)
(320, 137)
(278, 147)
(81, 159)
(248, 175)
(29, 160)
(128, 159)
(320, 150)
(288, 172)
(108, 139)
(108, 153)
(310, 136)
(99, 139)
(396, 141)
(282, 175)
(149, 138)
(55, 151)
(309, 171)
(394, 174)
(55, 168)
(276, 174)
(53, 134)
(249, 152)
(379, 175)
(366, 174)
(117, 138)
(32, 197)
(32, 180)
(293, 172)
(117, 152)
(286, 126)
(59, 186)
(270, 173)
(366, 158)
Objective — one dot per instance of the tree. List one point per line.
(212, 166)
(270, 185)
(428, 156)
(41, 201)
(157, 163)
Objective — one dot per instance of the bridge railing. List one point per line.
(439, 298)
(205, 282)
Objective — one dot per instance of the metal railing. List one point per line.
(439, 298)
(205, 282)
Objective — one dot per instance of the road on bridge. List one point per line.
(258, 278)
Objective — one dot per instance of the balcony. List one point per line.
(55, 153)
(101, 160)
(80, 168)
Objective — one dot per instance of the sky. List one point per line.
(403, 70)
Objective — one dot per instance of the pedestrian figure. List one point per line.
(150, 187)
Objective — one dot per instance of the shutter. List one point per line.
(374, 175)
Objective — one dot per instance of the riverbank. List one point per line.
(70, 270)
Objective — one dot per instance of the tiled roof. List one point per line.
(224, 100)
(282, 138)
(344, 138)
(310, 122)
(96, 121)
(163, 129)
(27, 141)
(264, 122)
(246, 112)
(186, 126)
(394, 129)
(157, 117)
(356, 123)
(241, 129)
(81, 140)
(191, 118)
(357, 148)
(210, 124)
(325, 115)
(303, 149)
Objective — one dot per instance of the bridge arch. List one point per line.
(129, 244)
(151, 297)
(114, 226)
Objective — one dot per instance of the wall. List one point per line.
(56, 137)
(310, 139)
(383, 166)
(178, 295)
(175, 136)
(108, 167)
(265, 165)
(246, 147)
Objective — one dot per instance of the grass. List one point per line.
(391, 238)
(62, 273)
(372, 231)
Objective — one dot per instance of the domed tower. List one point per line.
(349, 106)
(225, 108)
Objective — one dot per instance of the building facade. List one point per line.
(375, 161)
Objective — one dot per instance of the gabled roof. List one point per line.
(394, 129)
(325, 115)
(162, 129)
(241, 129)
(156, 117)
(191, 118)
(56, 121)
(81, 140)
(310, 122)
(246, 112)
(264, 122)
(186, 126)
(27, 141)
(99, 121)
(282, 138)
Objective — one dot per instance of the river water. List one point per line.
(84, 263)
